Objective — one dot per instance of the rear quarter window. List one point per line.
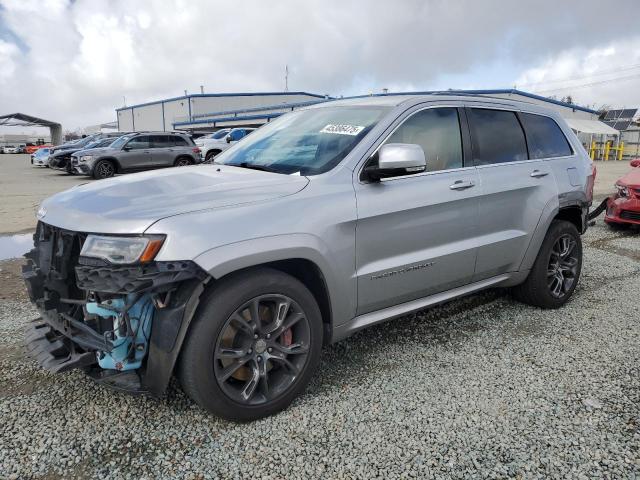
(544, 137)
(178, 141)
(497, 136)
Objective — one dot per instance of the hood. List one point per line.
(131, 203)
(65, 152)
(631, 179)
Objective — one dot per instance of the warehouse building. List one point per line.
(207, 112)
(210, 111)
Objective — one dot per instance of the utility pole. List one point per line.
(286, 78)
(202, 89)
(124, 100)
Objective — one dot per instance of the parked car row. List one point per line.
(23, 148)
(105, 154)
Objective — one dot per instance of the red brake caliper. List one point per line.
(287, 337)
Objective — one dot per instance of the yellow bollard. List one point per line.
(592, 150)
(607, 149)
(620, 150)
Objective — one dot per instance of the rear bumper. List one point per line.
(623, 210)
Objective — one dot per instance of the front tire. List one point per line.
(104, 169)
(252, 346)
(557, 268)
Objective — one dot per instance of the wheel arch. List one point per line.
(299, 255)
(572, 214)
(176, 322)
(113, 160)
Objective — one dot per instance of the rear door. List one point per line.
(162, 151)
(181, 146)
(516, 187)
(415, 234)
(136, 153)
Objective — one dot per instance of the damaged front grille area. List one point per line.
(95, 315)
(134, 278)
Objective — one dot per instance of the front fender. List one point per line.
(225, 259)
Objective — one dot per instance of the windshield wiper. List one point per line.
(254, 166)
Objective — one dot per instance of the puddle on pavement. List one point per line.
(14, 246)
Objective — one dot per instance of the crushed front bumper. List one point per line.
(61, 284)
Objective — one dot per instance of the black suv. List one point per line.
(138, 151)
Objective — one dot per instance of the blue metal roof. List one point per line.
(240, 94)
(266, 116)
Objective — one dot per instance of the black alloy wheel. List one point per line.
(253, 344)
(562, 271)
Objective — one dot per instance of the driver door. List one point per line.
(415, 234)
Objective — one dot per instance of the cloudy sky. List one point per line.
(76, 61)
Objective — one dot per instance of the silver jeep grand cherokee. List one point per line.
(326, 221)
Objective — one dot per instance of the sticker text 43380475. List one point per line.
(342, 129)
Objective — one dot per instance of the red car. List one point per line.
(33, 148)
(624, 207)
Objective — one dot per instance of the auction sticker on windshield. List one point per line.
(342, 129)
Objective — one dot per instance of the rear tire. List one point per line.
(182, 162)
(224, 330)
(557, 268)
(104, 169)
(211, 155)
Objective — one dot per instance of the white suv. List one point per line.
(220, 141)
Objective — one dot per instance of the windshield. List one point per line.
(120, 141)
(105, 142)
(219, 134)
(42, 151)
(308, 142)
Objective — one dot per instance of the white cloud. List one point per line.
(607, 75)
(77, 59)
(8, 59)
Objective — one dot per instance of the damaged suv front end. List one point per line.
(99, 296)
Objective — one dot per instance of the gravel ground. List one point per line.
(481, 387)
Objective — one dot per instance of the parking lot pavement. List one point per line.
(23, 187)
(480, 387)
(608, 173)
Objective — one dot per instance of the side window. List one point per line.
(139, 143)
(437, 131)
(160, 141)
(497, 136)
(544, 137)
(177, 141)
(236, 135)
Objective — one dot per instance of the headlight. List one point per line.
(622, 190)
(85, 158)
(122, 250)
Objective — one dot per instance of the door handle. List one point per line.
(538, 174)
(460, 185)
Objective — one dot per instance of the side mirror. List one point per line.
(228, 138)
(635, 163)
(126, 149)
(397, 159)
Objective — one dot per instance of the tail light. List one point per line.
(196, 150)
